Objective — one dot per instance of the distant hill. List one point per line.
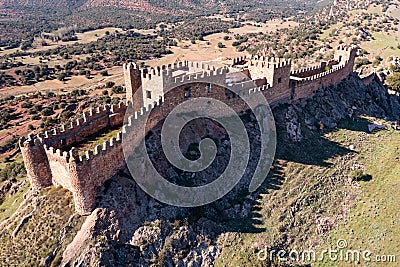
(152, 5)
(21, 20)
(143, 5)
(42, 3)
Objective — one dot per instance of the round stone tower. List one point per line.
(36, 163)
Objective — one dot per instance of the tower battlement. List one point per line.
(148, 93)
(270, 62)
(239, 61)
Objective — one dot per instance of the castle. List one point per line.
(51, 159)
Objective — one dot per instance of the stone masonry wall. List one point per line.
(83, 176)
(91, 122)
(308, 86)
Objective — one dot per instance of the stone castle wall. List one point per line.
(306, 87)
(47, 163)
(90, 123)
(311, 71)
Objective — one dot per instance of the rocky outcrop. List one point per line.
(349, 99)
(131, 229)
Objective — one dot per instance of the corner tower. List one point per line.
(36, 162)
(278, 73)
(346, 54)
(133, 84)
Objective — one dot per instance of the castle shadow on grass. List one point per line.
(148, 91)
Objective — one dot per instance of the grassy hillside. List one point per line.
(36, 229)
(310, 205)
(373, 224)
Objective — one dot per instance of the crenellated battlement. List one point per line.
(316, 77)
(105, 114)
(115, 141)
(239, 61)
(346, 48)
(307, 70)
(270, 62)
(49, 160)
(29, 141)
(211, 75)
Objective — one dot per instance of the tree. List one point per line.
(47, 112)
(394, 81)
(61, 77)
(110, 84)
(221, 45)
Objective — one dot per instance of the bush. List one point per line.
(221, 45)
(47, 112)
(118, 89)
(12, 171)
(362, 62)
(61, 77)
(356, 175)
(110, 84)
(26, 104)
(393, 81)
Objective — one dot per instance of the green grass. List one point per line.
(10, 205)
(365, 214)
(384, 45)
(98, 139)
(325, 34)
(373, 224)
(40, 235)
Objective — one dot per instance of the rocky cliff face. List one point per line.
(130, 228)
(350, 99)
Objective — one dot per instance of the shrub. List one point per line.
(61, 77)
(393, 81)
(357, 175)
(47, 112)
(12, 171)
(110, 84)
(26, 104)
(118, 89)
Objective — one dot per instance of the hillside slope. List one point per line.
(307, 201)
(155, 5)
(41, 3)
